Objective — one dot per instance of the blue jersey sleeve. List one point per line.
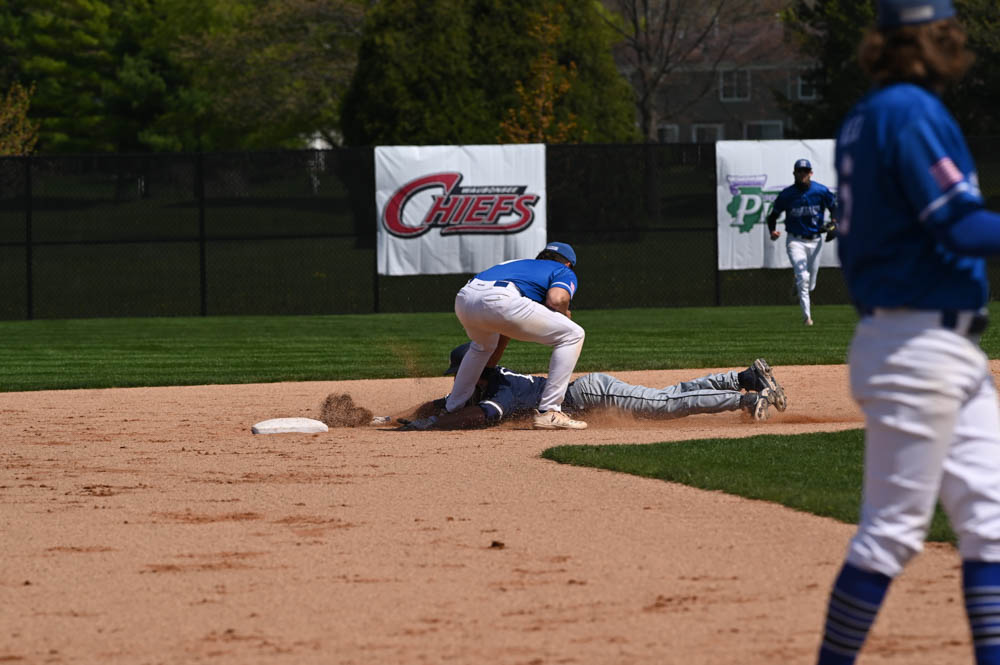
(564, 278)
(779, 206)
(830, 201)
(931, 162)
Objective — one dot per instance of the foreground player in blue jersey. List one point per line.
(911, 236)
(804, 203)
(502, 393)
(526, 300)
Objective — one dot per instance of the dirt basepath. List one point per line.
(150, 526)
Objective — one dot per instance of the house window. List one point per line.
(706, 133)
(668, 134)
(735, 85)
(764, 130)
(807, 89)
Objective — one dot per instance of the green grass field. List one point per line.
(102, 353)
(819, 473)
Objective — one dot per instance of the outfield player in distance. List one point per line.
(912, 234)
(502, 393)
(527, 299)
(804, 204)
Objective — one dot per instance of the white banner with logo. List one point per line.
(750, 175)
(458, 209)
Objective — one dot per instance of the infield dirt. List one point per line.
(150, 526)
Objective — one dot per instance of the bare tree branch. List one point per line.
(661, 38)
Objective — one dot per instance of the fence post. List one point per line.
(199, 188)
(715, 227)
(29, 258)
(718, 273)
(375, 281)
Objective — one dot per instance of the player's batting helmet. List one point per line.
(456, 357)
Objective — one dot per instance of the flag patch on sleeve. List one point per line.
(945, 173)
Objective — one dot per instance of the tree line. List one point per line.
(203, 75)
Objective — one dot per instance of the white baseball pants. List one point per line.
(932, 428)
(486, 312)
(804, 255)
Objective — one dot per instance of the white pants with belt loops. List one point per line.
(804, 255)
(932, 431)
(486, 312)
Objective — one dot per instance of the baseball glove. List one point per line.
(831, 230)
(420, 425)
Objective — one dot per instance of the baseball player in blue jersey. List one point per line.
(502, 393)
(912, 233)
(528, 300)
(804, 203)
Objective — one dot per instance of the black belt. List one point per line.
(949, 320)
(812, 237)
(978, 323)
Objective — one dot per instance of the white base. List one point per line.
(283, 425)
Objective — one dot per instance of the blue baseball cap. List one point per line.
(803, 165)
(563, 250)
(896, 13)
(456, 357)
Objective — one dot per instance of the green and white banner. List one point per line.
(750, 175)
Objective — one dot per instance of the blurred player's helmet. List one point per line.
(456, 357)
(894, 13)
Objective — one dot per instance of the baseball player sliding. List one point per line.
(502, 393)
(804, 204)
(528, 300)
(912, 233)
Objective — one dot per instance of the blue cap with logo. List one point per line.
(803, 165)
(896, 13)
(564, 250)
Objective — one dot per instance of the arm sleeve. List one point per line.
(497, 403)
(932, 183)
(772, 217)
(975, 234)
(564, 279)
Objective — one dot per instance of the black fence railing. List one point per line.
(294, 233)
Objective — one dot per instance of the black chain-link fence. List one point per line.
(294, 233)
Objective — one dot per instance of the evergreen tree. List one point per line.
(447, 72)
(18, 134)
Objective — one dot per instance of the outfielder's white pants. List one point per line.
(932, 428)
(486, 312)
(804, 255)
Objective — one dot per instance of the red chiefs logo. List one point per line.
(478, 209)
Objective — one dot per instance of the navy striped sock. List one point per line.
(854, 602)
(981, 584)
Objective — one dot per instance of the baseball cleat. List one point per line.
(556, 420)
(765, 379)
(756, 404)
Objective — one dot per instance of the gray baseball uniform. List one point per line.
(707, 394)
